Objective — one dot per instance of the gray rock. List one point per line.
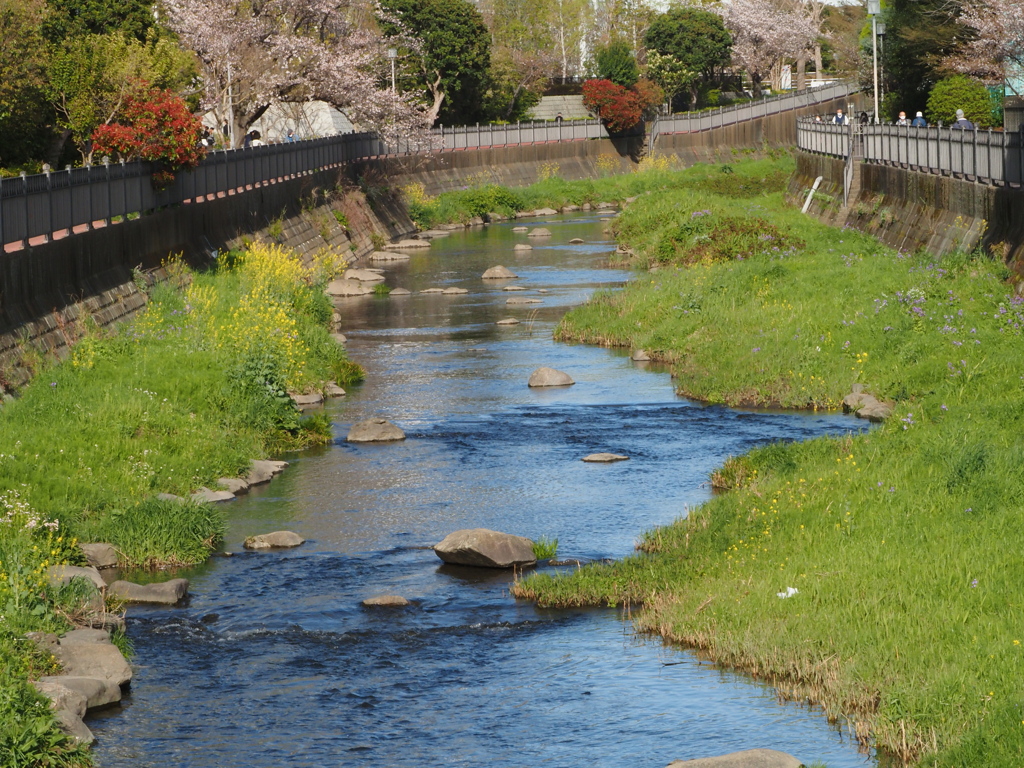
(522, 300)
(454, 291)
(640, 356)
(61, 696)
(875, 412)
(308, 401)
(749, 758)
(347, 288)
(476, 221)
(586, 207)
(59, 575)
(73, 726)
(576, 241)
(513, 288)
(100, 555)
(604, 206)
(450, 227)
(499, 273)
(545, 212)
(235, 485)
(486, 549)
(98, 692)
(168, 497)
(400, 292)
(549, 377)
(434, 234)
(375, 430)
(539, 232)
(161, 593)
(275, 540)
(388, 256)
(339, 337)
(523, 247)
(85, 637)
(629, 200)
(46, 642)
(857, 388)
(856, 400)
(387, 601)
(333, 390)
(605, 458)
(263, 471)
(508, 321)
(432, 290)
(494, 216)
(407, 244)
(209, 496)
(520, 229)
(542, 290)
(362, 276)
(570, 208)
(100, 659)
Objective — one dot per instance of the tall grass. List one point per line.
(900, 543)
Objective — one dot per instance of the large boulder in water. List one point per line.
(485, 549)
(499, 273)
(374, 430)
(549, 377)
(540, 232)
(161, 593)
(275, 540)
(347, 288)
(748, 758)
(362, 275)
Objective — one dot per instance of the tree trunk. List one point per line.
(801, 72)
(817, 61)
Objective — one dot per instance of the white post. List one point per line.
(875, 8)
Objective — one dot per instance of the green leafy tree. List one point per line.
(960, 92)
(616, 62)
(515, 85)
(78, 18)
(697, 42)
(25, 117)
(447, 54)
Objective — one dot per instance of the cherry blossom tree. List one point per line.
(255, 53)
(763, 33)
(998, 46)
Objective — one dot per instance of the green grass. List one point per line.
(902, 543)
(192, 391)
(545, 548)
(656, 175)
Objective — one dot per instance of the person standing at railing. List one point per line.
(919, 121)
(962, 123)
(902, 119)
(840, 118)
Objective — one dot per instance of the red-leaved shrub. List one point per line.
(620, 108)
(153, 125)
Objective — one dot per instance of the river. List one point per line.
(273, 661)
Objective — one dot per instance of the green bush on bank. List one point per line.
(900, 544)
(192, 391)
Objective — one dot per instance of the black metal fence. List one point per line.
(989, 157)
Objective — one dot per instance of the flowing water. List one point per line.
(274, 661)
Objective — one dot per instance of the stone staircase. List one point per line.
(571, 108)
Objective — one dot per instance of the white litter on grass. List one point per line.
(790, 591)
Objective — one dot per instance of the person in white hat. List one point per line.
(919, 121)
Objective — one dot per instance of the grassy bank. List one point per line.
(900, 544)
(657, 174)
(192, 391)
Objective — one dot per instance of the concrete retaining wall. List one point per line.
(911, 210)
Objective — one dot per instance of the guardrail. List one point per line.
(691, 122)
(40, 207)
(988, 157)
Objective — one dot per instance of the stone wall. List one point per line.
(911, 210)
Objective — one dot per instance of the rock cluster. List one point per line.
(94, 671)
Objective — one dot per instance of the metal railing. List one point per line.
(691, 122)
(40, 207)
(990, 157)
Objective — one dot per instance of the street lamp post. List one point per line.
(875, 8)
(392, 54)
